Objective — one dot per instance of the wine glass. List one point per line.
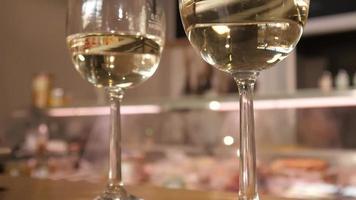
(243, 37)
(115, 44)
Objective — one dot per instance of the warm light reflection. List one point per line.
(121, 13)
(221, 30)
(209, 5)
(275, 58)
(126, 85)
(238, 152)
(81, 57)
(99, 111)
(91, 10)
(304, 4)
(228, 140)
(112, 59)
(214, 105)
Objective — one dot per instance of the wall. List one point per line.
(32, 40)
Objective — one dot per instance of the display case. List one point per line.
(191, 142)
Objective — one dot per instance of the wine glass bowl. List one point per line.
(115, 60)
(242, 38)
(115, 44)
(248, 35)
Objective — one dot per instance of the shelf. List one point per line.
(331, 24)
(300, 99)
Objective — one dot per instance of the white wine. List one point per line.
(244, 35)
(115, 60)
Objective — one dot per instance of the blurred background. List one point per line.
(180, 128)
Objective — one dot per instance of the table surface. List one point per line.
(33, 189)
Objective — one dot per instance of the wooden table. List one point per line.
(31, 189)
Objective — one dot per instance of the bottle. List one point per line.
(326, 82)
(41, 88)
(342, 80)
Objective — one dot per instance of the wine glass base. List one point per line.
(118, 193)
(116, 197)
(249, 198)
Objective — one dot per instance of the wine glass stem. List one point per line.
(247, 179)
(115, 176)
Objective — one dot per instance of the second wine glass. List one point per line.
(115, 44)
(242, 38)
